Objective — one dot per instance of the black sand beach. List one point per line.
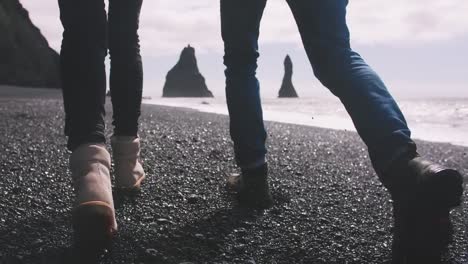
(329, 205)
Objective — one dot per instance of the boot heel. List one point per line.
(93, 226)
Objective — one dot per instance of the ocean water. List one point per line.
(438, 120)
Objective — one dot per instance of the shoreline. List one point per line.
(340, 120)
(436, 133)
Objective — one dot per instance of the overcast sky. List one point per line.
(419, 47)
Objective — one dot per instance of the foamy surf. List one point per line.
(437, 120)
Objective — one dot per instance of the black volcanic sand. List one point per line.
(329, 205)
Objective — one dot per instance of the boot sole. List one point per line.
(131, 190)
(137, 185)
(93, 225)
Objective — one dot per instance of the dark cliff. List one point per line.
(25, 56)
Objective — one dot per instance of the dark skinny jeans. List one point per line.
(88, 35)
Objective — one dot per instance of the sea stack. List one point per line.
(26, 58)
(287, 88)
(184, 79)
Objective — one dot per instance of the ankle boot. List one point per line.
(93, 214)
(252, 187)
(423, 195)
(128, 170)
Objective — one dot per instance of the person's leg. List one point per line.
(126, 86)
(82, 56)
(240, 22)
(84, 47)
(375, 114)
(126, 74)
(423, 192)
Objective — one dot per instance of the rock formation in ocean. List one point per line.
(25, 56)
(287, 87)
(184, 79)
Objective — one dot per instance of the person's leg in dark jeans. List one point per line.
(126, 73)
(240, 22)
(422, 191)
(84, 48)
(126, 87)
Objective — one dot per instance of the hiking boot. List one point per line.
(127, 167)
(252, 188)
(423, 194)
(93, 214)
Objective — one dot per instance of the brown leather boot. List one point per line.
(127, 167)
(93, 215)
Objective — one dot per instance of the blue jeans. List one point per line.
(325, 35)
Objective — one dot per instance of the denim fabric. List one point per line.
(325, 36)
(87, 37)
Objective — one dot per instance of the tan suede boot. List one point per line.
(127, 167)
(93, 215)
